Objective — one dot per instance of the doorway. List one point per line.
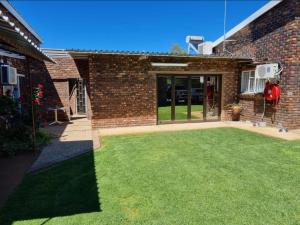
(188, 98)
(81, 97)
(77, 97)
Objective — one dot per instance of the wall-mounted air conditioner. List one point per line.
(267, 71)
(205, 48)
(4, 72)
(8, 75)
(13, 76)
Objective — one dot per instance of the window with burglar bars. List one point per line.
(248, 84)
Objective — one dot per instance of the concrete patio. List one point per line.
(71, 139)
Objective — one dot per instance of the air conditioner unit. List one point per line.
(4, 72)
(9, 75)
(267, 71)
(13, 77)
(205, 48)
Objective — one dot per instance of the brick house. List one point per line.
(132, 88)
(125, 89)
(20, 51)
(270, 35)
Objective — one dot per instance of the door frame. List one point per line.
(173, 105)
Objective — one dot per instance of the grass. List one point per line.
(203, 177)
(164, 112)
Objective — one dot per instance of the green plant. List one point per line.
(42, 138)
(15, 139)
(16, 130)
(7, 106)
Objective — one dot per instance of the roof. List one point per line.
(56, 53)
(13, 36)
(81, 52)
(248, 20)
(14, 12)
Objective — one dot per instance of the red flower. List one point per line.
(40, 94)
(40, 86)
(37, 101)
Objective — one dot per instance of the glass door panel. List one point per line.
(213, 97)
(197, 95)
(164, 88)
(181, 98)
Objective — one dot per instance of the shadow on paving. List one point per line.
(66, 189)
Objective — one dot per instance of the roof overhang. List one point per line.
(84, 54)
(14, 37)
(14, 12)
(247, 21)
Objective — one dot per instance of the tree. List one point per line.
(177, 50)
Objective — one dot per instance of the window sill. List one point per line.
(250, 96)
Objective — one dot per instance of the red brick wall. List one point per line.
(274, 37)
(122, 93)
(123, 87)
(55, 90)
(55, 78)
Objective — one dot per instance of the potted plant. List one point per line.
(233, 111)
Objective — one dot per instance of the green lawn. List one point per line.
(164, 112)
(202, 177)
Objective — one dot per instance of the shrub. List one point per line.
(42, 138)
(15, 139)
(16, 130)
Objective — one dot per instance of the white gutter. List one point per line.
(11, 9)
(247, 21)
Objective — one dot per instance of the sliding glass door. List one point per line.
(213, 97)
(181, 98)
(188, 98)
(164, 100)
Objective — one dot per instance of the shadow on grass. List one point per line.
(63, 190)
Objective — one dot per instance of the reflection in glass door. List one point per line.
(164, 100)
(181, 98)
(197, 94)
(213, 97)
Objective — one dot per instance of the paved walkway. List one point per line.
(77, 137)
(73, 138)
(269, 131)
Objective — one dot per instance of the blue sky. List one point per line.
(135, 25)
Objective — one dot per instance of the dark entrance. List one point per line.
(184, 98)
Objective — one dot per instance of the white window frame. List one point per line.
(250, 84)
